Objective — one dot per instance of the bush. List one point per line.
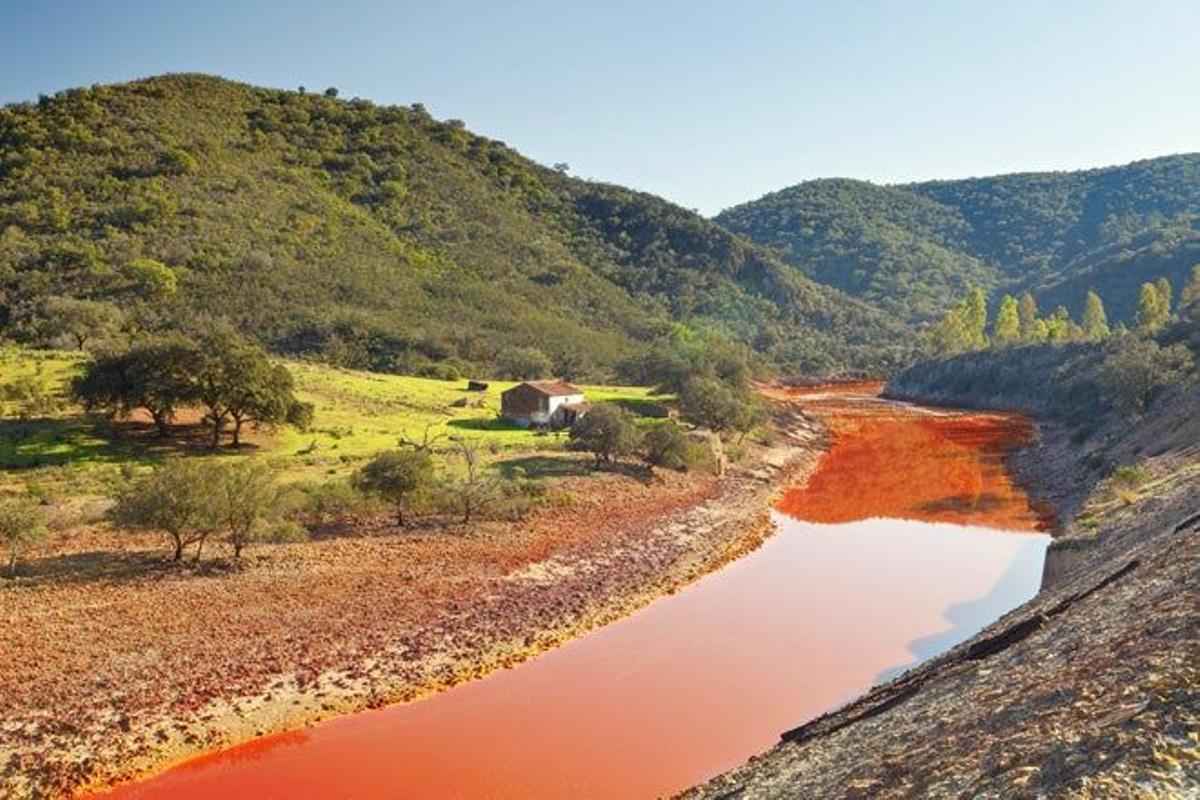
(179, 499)
(713, 403)
(22, 523)
(668, 445)
(396, 476)
(441, 372)
(607, 431)
(323, 502)
(1137, 369)
(300, 415)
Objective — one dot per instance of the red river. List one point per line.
(908, 538)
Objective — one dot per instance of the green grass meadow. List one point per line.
(357, 414)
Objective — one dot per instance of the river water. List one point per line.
(908, 538)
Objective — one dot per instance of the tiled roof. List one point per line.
(553, 388)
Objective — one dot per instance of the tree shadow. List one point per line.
(34, 443)
(484, 424)
(566, 466)
(107, 566)
(544, 467)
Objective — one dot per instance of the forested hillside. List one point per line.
(372, 237)
(913, 248)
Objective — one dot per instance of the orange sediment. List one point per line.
(908, 462)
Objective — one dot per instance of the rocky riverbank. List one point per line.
(1089, 690)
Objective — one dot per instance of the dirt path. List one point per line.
(118, 670)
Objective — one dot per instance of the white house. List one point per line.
(551, 404)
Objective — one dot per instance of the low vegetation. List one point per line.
(396, 476)
(22, 524)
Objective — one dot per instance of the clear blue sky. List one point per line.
(706, 103)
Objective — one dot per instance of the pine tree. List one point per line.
(1006, 330)
(1166, 293)
(1189, 298)
(1027, 314)
(1095, 321)
(975, 317)
(1060, 327)
(1151, 312)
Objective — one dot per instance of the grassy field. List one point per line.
(357, 414)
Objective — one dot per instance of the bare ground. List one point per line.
(114, 664)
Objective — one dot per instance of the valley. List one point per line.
(347, 451)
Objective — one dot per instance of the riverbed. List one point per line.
(908, 538)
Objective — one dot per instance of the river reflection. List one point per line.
(699, 681)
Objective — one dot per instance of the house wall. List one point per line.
(536, 409)
(558, 402)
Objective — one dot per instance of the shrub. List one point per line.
(151, 278)
(1138, 368)
(179, 499)
(331, 500)
(441, 372)
(396, 476)
(1126, 481)
(607, 431)
(667, 445)
(22, 523)
(300, 415)
(712, 403)
(247, 502)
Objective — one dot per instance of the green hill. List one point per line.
(375, 237)
(913, 248)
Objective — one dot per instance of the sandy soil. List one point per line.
(114, 664)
